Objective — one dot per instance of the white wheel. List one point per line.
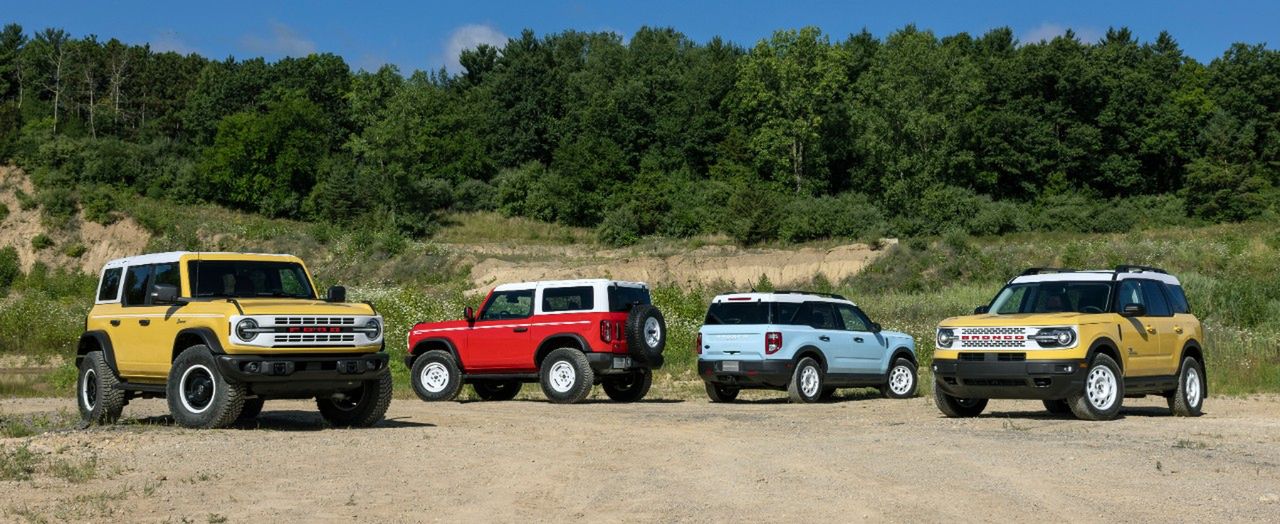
(902, 380)
(1192, 389)
(434, 377)
(198, 388)
(809, 382)
(652, 332)
(1100, 388)
(563, 377)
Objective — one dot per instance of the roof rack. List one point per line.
(795, 292)
(1124, 268)
(1043, 270)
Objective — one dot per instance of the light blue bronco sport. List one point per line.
(808, 344)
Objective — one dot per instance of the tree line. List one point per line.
(800, 136)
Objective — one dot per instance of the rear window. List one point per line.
(1178, 299)
(621, 298)
(581, 298)
(738, 313)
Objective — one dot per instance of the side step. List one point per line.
(145, 388)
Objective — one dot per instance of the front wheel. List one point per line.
(100, 401)
(436, 376)
(1189, 398)
(630, 387)
(901, 381)
(496, 389)
(806, 382)
(955, 407)
(566, 376)
(198, 395)
(361, 407)
(1103, 391)
(718, 393)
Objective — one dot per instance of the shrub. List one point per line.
(41, 241)
(58, 206)
(74, 250)
(1226, 192)
(99, 203)
(850, 216)
(10, 269)
(4, 212)
(620, 228)
(25, 202)
(753, 215)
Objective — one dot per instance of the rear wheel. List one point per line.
(1103, 391)
(96, 394)
(361, 407)
(955, 407)
(806, 382)
(719, 393)
(198, 395)
(436, 376)
(629, 387)
(496, 389)
(1057, 407)
(1189, 398)
(901, 380)
(566, 376)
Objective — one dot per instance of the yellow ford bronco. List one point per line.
(216, 334)
(1081, 341)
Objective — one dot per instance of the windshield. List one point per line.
(1053, 297)
(248, 279)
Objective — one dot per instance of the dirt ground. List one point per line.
(856, 459)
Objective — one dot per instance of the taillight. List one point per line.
(698, 347)
(606, 331)
(772, 342)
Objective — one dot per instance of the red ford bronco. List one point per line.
(567, 335)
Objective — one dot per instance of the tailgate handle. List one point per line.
(521, 329)
(144, 322)
(115, 322)
(824, 338)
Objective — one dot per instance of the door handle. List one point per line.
(824, 338)
(1151, 330)
(144, 322)
(115, 323)
(1177, 329)
(521, 329)
(857, 339)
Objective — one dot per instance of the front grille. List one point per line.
(315, 321)
(993, 331)
(993, 343)
(973, 357)
(314, 337)
(1011, 357)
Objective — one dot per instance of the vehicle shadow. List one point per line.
(1150, 412)
(852, 395)
(287, 420)
(588, 401)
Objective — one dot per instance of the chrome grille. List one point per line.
(993, 343)
(314, 337)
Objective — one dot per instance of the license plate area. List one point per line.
(621, 362)
(729, 365)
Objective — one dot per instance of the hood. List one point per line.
(298, 306)
(895, 335)
(1019, 320)
(447, 325)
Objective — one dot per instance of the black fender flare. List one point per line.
(544, 348)
(413, 352)
(1193, 347)
(205, 335)
(902, 352)
(805, 350)
(99, 339)
(1107, 342)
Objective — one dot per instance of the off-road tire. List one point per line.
(954, 407)
(374, 397)
(566, 376)
(1184, 403)
(99, 400)
(1083, 402)
(629, 387)
(901, 369)
(799, 390)
(496, 389)
(719, 393)
(187, 402)
(1057, 406)
(251, 409)
(646, 334)
(432, 367)
(828, 393)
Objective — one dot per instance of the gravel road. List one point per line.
(854, 459)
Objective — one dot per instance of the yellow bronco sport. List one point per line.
(219, 333)
(1081, 341)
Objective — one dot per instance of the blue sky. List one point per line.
(416, 35)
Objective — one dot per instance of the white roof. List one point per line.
(172, 256)
(777, 297)
(567, 283)
(1100, 275)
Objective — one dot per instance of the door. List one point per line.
(1167, 329)
(1142, 337)
(829, 336)
(163, 324)
(867, 351)
(499, 338)
(130, 328)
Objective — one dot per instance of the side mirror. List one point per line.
(1133, 310)
(981, 310)
(164, 294)
(337, 294)
(875, 327)
(469, 314)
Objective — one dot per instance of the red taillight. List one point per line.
(699, 345)
(606, 331)
(772, 342)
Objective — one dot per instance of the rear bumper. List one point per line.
(1028, 379)
(610, 363)
(750, 374)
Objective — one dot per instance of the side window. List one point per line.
(786, 313)
(556, 299)
(853, 319)
(166, 274)
(1130, 293)
(135, 285)
(1178, 299)
(110, 288)
(821, 315)
(505, 305)
(1157, 304)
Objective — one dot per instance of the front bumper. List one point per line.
(750, 373)
(994, 378)
(302, 368)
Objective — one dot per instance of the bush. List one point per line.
(620, 228)
(850, 216)
(99, 203)
(4, 212)
(10, 269)
(25, 202)
(74, 250)
(753, 216)
(1226, 192)
(41, 242)
(58, 206)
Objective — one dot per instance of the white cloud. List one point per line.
(1048, 31)
(170, 41)
(283, 41)
(470, 37)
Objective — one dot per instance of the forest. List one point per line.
(800, 136)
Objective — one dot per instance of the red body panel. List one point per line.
(510, 346)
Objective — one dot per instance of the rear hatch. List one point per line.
(735, 330)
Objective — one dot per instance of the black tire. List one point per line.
(1090, 403)
(361, 407)
(251, 409)
(806, 388)
(719, 393)
(436, 376)
(566, 376)
(828, 393)
(496, 389)
(1187, 400)
(1057, 406)
(630, 387)
(900, 380)
(646, 334)
(198, 395)
(954, 407)
(97, 396)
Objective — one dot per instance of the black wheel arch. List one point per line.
(1192, 349)
(1108, 347)
(194, 337)
(557, 341)
(433, 344)
(97, 341)
(811, 351)
(903, 352)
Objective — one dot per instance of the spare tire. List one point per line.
(646, 334)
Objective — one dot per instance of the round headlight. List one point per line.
(245, 329)
(373, 329)
(1065, 337)
(946, 337)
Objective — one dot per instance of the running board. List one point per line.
(145, 388)
(467, 379)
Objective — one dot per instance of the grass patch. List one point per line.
(18, 463)
(488, 227)
(75, 471)
(1190, 444)
(19, 426)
